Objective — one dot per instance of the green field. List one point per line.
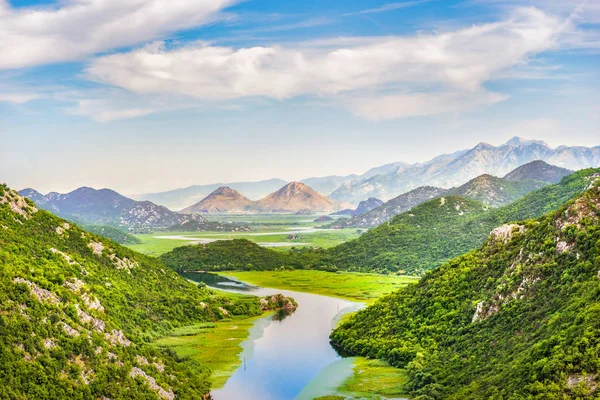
(215, 345)
(374, 378)
(266, 229)
(346, 285)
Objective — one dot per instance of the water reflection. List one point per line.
(286, 352)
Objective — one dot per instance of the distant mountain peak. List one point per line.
(222, 199)
(226, 191)
(538, 170)
(294, 188)
(519, 141)
(484, 146)
(296, 196)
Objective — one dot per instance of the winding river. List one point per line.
(289, 358)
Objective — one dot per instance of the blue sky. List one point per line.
(143, 96)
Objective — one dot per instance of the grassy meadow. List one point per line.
(215, 345)
(346, 285)
(268, 230)
(374, 379)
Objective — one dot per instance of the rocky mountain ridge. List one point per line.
(452, 170)
(487, 189)
(89, 206)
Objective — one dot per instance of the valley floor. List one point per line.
(267, 230)
(352, 286)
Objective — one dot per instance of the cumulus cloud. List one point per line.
(76, 28)
(427, 73)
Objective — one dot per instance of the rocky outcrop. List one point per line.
(151, 382)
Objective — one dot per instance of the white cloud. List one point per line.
(445, 70)
(102, 111)
(32, 36)
(421, 104)
(388, 7)
(18, 98)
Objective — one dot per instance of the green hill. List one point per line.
(518, 318)
(237, 254)
(77, 311)
(428, 235)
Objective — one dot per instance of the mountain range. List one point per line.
(437, 230)
(179, 199)
(452, 170)
(294, 197)
(89, 206)
(390, 180)
(106, 207)
(487, 189)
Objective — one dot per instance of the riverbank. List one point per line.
(215, 345)
(365, 288)
(225, 345)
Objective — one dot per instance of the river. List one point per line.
(289, 358)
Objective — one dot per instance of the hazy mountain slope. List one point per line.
(180, 198)
(367, 205)
(575, 158)
(495, 191)
(392, 207)
(107, 207)
(295, 197)
(76, 312)
(223, 199)
(487, 189)
(431, 233)
(538, 170)
(363, 207)
(453, 170)
(518, 318)
(392, 182)
(328, 184)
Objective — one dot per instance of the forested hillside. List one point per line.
(76, 312)
(112, 233)
(518, 318)
(238, 254)
(438, 230)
